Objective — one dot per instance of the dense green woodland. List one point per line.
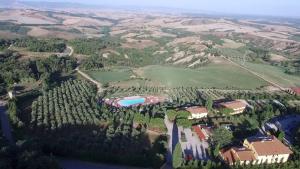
(8, 26)
(13, 70)
(92, 46)
(41, 45)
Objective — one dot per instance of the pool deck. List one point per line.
(148, 100)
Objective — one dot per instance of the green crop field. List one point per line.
(213, 75)
(109, 76)
(274, 74)
(219, 76)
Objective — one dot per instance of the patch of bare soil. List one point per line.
(272, 89)
(278, 58)
(178, 55)
(185, 40)
(80, 57)
(129, 35)
(25, 54)
(217, 60)
(195, 63)
(23, 16)
(40, 32)
(8, 35)
(79, 21)
(160, 34)
(138, 44)
(228, 43)
(117, 32)
(184, 60)
(105, 55)
(139, 72)
(160, 52)
(198, 21)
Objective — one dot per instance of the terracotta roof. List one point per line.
(234, 104)
(235, 154)
(296, 90)
(228, 156)
(199, 132)
(197, 110)
(244, 154)
(269, 146)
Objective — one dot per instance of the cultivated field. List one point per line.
(274, 74)
(109, 76)
(206, 77)
(225, 76)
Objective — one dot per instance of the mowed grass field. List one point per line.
(219, 76)
(274, 74)
(109, 76)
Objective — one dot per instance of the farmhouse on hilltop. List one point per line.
(237, 106)
(197, 112)
(261, 150)
(295, 90)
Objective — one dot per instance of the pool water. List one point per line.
(130, 102)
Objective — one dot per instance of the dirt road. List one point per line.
(254, 73)
(71, 50)
(86, 76)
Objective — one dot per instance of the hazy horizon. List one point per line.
(286, 8)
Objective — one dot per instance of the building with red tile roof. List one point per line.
(258, 150)
(237, 154)
(199, 132)
(237, 106)
(197, 112)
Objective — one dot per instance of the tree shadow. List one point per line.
(90, 142)
(175, 137)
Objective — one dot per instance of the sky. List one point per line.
(252, 7)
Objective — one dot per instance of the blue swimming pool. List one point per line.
(130, 102)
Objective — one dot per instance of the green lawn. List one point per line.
(219, 76)
(274, 74)
(109, 76)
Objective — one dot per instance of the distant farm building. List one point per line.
(197, 112)
(295, 90)
(237, 106)
(257, 150)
